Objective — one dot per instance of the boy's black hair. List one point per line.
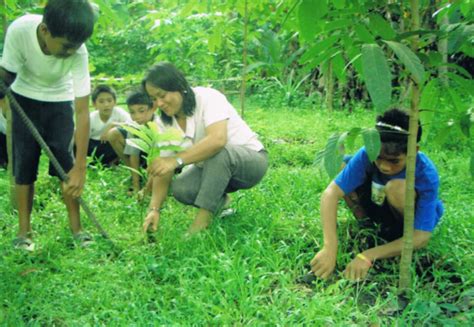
(168, 78)
(72, 19)
(138, 97)
(103, 89)
(393, 129)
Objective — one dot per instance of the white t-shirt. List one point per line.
(97, 126)
(39, 76)
(212, 107)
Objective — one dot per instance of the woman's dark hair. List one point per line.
(103, 89)
(167, 77)
(393, 129)
(140, 97)
(72, 19)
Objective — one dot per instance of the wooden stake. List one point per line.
(244, 63)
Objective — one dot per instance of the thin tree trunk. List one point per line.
(9, 124)
(443, 50)
(409, 212)
(243, 86)
(329, 87)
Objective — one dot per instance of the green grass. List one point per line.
(243, 269)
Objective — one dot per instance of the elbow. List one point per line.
(220, 142)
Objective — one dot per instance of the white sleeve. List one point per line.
(13, 58)
(216, 108)
(80, 73)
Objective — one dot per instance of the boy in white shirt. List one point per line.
(46, 63)
(102, 120)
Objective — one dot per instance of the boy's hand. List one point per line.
(151, 221)
(75, 183)
(357, 269)
(162, 166)
(103, 137)
(323, 263)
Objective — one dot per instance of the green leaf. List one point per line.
(372, 143)
(465, 123)
(471, 165)
(351, 137)
(409, 59)
(377, 76)
(443, 133)
(381, 27)
(139, 144)
(339, 4)
(318, 48)
(309, 11)
(363, 34)
(428, 105)
(332, 156)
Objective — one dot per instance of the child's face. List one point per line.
(170, 103)
(59, 47)
(141, 113)
(390, 164)
(104, 103)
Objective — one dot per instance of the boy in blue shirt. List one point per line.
(376, 190)
(46, 63)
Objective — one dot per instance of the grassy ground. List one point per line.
(243, 270)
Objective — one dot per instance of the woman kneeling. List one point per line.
(225, 155)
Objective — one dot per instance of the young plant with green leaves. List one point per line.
(148, 139)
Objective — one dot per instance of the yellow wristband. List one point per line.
(363, 257)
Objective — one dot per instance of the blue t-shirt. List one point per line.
(429, 208)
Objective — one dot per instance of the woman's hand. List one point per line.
(162, 166)
(323, 263)
(151, 221)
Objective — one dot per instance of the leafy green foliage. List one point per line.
(377, 76)
(151, 141)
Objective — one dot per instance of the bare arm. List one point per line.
(77, 175)
(213, 142)
(324, 261)
(357, 269)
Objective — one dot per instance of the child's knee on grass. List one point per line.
(395, 192)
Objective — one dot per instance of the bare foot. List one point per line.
(202, 221)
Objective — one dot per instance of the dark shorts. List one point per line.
(102, 151)
(3, 150)
(54, 121)
(384, 219)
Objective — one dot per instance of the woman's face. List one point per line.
(170, 103)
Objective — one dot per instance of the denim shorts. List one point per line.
(54, 122)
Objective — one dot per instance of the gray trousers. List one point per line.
(233, 168)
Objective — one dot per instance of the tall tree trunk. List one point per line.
(244, 63)
(409, 212)
(443, 50)
(9, 124)
(329, 86)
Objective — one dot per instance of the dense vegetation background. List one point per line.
(305, 80)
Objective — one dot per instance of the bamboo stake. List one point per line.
(409, 212)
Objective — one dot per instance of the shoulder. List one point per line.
(426, 172)
(207, 93)
(26, 21)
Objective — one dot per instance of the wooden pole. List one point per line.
(243, 85)
(409, 212)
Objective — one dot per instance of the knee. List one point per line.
(182, 192)
(114, 136)
(395, 191)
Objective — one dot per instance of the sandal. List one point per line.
(24, 243)
(83, 239)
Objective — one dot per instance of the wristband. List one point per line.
(363, 257)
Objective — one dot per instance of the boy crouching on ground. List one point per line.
(102, 120)
(46, 63)
(141, 111)
(376, 190)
